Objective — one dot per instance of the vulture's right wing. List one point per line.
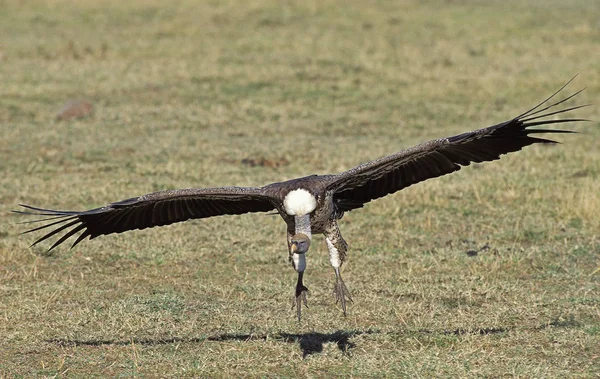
(372, 180)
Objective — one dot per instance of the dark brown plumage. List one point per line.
(311, 204)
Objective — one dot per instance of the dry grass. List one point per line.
(184, 93)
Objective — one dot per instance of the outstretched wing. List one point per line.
(147, 211)
(372, 180)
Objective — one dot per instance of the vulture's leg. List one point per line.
(337, 254)
(299, 264)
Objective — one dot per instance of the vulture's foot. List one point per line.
(341, 291)
(301, 292)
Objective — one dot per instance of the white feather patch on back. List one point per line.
(299, 202)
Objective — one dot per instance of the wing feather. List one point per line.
(155, 209)
(383, 176)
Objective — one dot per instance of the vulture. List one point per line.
(312, 204)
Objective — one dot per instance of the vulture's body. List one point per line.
(312, 204)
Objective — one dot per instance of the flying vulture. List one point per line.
(312, 204)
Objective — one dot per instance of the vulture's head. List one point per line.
(300, 244)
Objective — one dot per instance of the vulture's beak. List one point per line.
(294, 248)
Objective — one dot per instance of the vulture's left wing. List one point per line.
(154, 209)
(372, 180)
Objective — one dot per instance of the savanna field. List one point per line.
(488, 272)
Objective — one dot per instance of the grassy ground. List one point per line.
(186, 95)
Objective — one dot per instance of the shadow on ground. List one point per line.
(309, 343)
